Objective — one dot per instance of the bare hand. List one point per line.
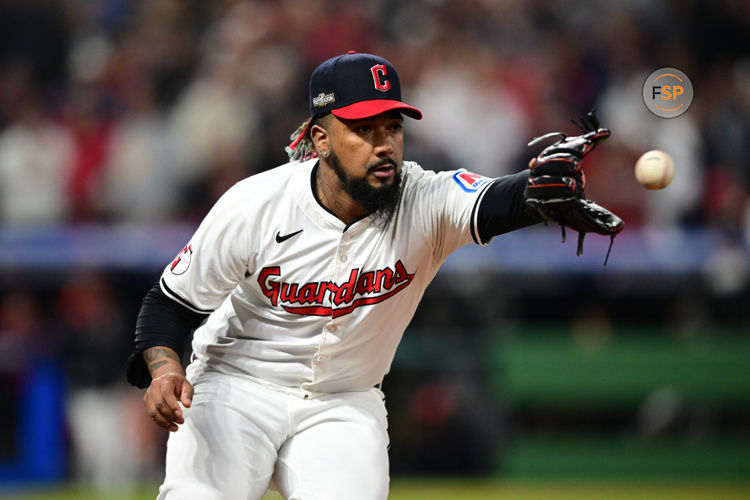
(163, 398)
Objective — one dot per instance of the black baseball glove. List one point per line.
(555, 185)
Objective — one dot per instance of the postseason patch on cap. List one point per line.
(323, 99)
(469, 181)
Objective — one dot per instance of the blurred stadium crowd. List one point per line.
(118, 111)
(140, 111)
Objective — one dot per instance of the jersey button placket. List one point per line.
(342, 272)
(342, 257)
(340, 275)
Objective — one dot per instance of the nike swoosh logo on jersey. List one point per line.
(281, 239)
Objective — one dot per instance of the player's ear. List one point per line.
(319, 133)
(319, 137)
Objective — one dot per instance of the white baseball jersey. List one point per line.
(298, 298)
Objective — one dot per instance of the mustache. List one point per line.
(382, 163)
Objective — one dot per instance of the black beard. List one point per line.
(380, 202)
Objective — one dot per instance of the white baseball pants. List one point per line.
(238, 434)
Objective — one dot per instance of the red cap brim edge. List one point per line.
(368, 109)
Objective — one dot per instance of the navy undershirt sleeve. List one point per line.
(503, 208)
(161, 322)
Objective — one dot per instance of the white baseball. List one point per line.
(654, 169)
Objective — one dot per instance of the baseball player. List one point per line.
(300, 282)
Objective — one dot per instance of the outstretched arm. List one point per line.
(503, 207)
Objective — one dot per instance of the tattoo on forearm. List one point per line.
(156, 357)
(157, 365)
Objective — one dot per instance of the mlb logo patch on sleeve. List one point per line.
(469, 181)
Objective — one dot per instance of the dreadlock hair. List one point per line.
(302, 148)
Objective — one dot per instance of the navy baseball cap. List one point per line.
(353, 86)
